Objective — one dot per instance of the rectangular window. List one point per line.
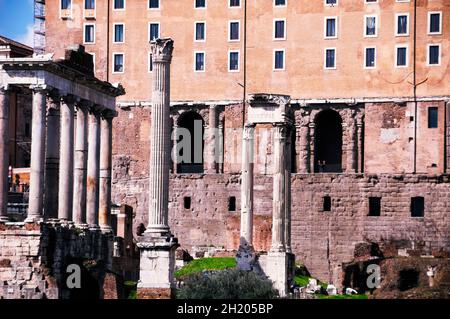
(200, 31)
(278, 60)
(232, 204)
(234, 31)
(154, 31)
(187, 202)
(330, 58)
(417, 206)
(402, 25)
(370, 26)
(434, 22)
(119, 33)
(434, 54)
(401, 56)
(153, 4)
(150, 62)
(330, 27)
(89, 33)
(119, 4)
(66, 4)
(371, 1)
(200, 3)
(370, 58)
(331, 2)
(433, 117)
(279, 30)
(118, 63)
(279, 3)
(374, 206)
(89, 4)
(235, 3)
(233, 61)
(199, 61)
(326, 204)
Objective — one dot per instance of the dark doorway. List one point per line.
(409, 278)
(328, 142)
(191, 152)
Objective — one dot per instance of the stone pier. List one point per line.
(157, 245)
(4, 150)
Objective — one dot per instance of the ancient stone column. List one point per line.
(4, 151)
(351, 147)
(105, 171)
(360, 151)
(93, 169)
(52, 157)
(279, 189)
(38, 133)
(447, 129)
(312, 153)
(80, 165)
(303, 138)
(287, 179)
(211, 165)
(65, 198)
(175, 156)
(160, 138)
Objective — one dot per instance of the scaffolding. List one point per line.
(39, 26)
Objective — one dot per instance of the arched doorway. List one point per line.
(190, 143)
(328, 142)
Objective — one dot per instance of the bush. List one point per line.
(227, 284)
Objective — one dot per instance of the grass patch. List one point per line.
(199, 265)
(303, 280)
(320, 296)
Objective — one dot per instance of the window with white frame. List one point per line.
(66, 4)
(401, 56)
(370, 56)
(233, 61)
(118, 62)
(331, 3)
(330, 27)
(279, 29)
(278, 63)
(330, 58)
(234, 31)
(370, 26)
(280, 3)
(200, 31)
(199, 61)
(150, 62)
(153, 31)
(200, 3)
(119, 33)
(89, 34)
(89, 4)
(402, 24)
(434, 54)
(434, 22)
(153, 4)
(234, 3)
(119, 4)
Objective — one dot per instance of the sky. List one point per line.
(16, 20)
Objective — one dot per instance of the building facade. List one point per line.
(369, 88)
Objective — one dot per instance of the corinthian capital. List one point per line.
(162, 50)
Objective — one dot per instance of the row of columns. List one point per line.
(70, 176)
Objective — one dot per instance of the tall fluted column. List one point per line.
(52, 157)
(287, 180)
(351, 147)
(160, 138)
(211, 165)
(105, 171)
(279, 190)
(246, 238)
(93, 169)
(38, 137)
(4, 151)
(65, 197)
(80, 165)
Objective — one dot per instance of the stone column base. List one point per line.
(278, 268)
(157, 266)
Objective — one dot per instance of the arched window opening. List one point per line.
(328, 143)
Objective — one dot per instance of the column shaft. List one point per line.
(80, 167)
(92, 199)
(351, 147)
(447, 138)
(287, 179)
(38, 132)
(174, 149)
(105, 172)
(246, 237)
(279, 190)
(52, 159)
(211, 167)
(160, 145)
(66, 160)
(359, 165)
(4, 152)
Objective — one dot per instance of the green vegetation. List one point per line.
(202, 264)
(131, 289)
(226, 284)
(320, 296)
